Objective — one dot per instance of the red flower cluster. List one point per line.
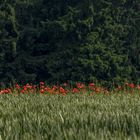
(64, 89)
(6, 91)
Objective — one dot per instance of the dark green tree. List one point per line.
(58, 41)
(8, 41)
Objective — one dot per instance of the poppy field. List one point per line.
(66, 112)
(65, 89)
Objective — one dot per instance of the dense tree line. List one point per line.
(69, 40)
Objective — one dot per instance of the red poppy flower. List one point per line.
(1, 92)
(91, 84)
(79, 85)
(17, 86)
(42, 83)
(131, 85)
(138, 87)
(62, 90)
(23, 91)
(42, 91)
(75, 90)
(65, 84)
(24, 88)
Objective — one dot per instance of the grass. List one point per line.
(71, 117)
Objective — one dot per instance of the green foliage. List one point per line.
(8, 41)
(58, 41)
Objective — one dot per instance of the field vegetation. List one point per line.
(80, 113)
(71, 117)
(93, 46)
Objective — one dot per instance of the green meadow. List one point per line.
(71, 117)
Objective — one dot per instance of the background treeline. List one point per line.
(69, 40)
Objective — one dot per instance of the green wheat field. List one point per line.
(71, 117)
